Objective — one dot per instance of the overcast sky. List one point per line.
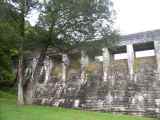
(132, 15)
(137, 15)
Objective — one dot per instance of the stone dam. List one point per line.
(122, 80)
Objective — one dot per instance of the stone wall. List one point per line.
(130, 86)
(140, 96)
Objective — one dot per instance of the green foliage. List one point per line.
(73, 22)
(63, 25)
(10, 94)
(8, 49)
(11, 30)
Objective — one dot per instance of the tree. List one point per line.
(22, 7)
(75, 23)
(64, 25)
(8, 40)
(14, 29)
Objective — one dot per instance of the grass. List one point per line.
(10, 111)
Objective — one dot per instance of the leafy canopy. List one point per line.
(76, 21)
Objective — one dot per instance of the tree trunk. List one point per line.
(20, 99)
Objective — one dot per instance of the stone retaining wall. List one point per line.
(140, 96)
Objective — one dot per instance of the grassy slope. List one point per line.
(9, 111)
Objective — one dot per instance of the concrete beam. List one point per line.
(130, 53)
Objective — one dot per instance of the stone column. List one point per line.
(48, 65)
(106, 62)
(84, 62)
(130, 53)
(157, 53)
(65, 64)
(29, 91)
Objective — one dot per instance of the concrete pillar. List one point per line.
(106, 62)
(157, 52)
(130, 53)
(65, 64)
(48, 65)
(84, 62)
(29, 93)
